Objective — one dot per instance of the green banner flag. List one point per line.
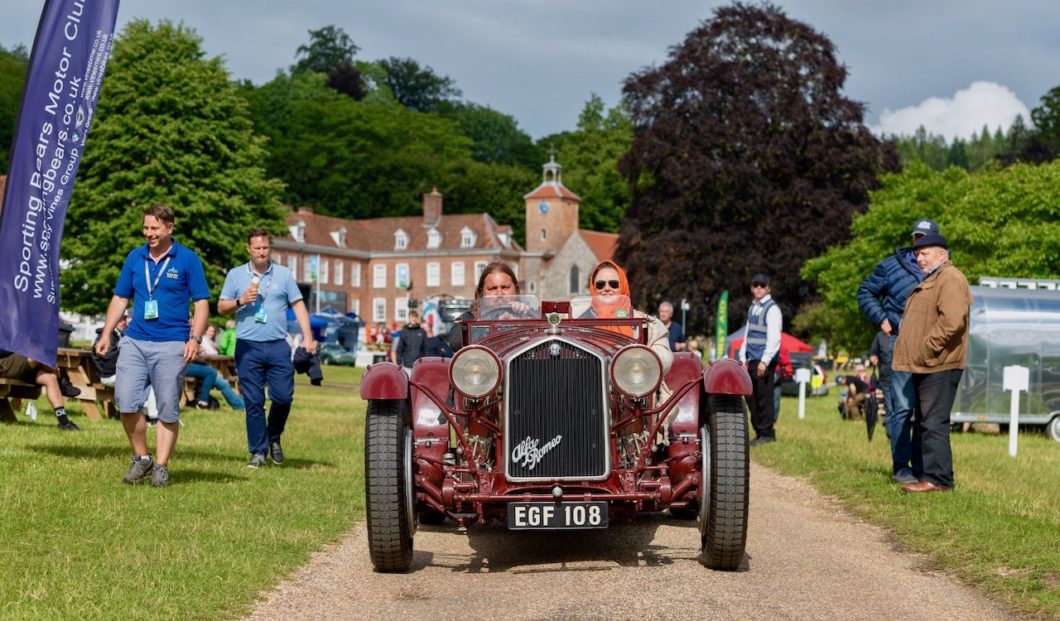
(721, 325)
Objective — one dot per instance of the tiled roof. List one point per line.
(552, 190)
(377, 234)
(603, 245)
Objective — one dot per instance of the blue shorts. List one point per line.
(143, 364)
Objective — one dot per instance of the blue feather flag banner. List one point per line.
(66, 67)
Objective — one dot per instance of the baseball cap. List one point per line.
(925, 227)
(760, 277)
(931, 239)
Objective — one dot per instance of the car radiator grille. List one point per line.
(557, 425)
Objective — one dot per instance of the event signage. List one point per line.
(70, 54)
(721, 326)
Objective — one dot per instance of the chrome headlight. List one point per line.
(475, 372)
(636, 371)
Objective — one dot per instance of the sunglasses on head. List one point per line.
(759, 284)
(614, 284)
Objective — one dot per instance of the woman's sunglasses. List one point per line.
(614, 284)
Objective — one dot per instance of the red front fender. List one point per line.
(726, 377)
(384, 380)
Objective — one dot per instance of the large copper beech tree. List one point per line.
(746, 158)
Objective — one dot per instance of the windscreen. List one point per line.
(508, 307)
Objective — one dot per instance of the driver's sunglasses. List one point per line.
(614, 284)
(759, 284)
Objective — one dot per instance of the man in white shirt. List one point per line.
(760, 348)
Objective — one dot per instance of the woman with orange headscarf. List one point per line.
(610, 290)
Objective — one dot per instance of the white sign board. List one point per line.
(1016, 378)
(802, 376)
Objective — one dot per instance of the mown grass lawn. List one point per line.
(999, 530)
(75, 543)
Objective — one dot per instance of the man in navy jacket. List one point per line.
(881, 298)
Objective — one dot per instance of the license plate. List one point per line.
(556, 515)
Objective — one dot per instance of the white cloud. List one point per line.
(960, 116)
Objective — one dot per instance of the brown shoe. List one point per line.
(923, 486)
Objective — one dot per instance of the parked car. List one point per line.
(333, 353)
(818, 385)
(547, 420)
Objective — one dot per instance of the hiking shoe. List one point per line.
(160, 476)
(68, 425)
(257, 460)
(276, 452)
(760, 440)
(67, 388)
(137, 471)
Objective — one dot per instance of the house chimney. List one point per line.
(432, 207)
(305, 210)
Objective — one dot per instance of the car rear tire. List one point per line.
(1053, 428)
(724, 483)
(388, 485)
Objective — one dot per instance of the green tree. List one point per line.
(417, 88)
(360, 159)
(590, 156)
(13, 65)
(1003, 222)
(746, 157)
(329, 47)
(331, 51)
(495, 136)
(922, 147)
(981, 151)
(170, 128)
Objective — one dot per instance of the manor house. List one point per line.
(377, 267)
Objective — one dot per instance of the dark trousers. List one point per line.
(931, 425)
(761, 402)
(261, 364)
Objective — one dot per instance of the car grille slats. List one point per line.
(557, 424)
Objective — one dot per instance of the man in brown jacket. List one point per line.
(933, 345)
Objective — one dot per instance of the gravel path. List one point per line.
(806, 559)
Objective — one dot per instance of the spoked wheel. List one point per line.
(389, 485)
(724, 483)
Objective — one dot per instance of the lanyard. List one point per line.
(268, 273)
(158, 276)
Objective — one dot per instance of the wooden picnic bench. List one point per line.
(12, 392)
(95, 397)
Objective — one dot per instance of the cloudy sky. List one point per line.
(950, 65)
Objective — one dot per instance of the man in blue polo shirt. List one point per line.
(259, 292)
(160, 277)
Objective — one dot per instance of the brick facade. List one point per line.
(374, 267)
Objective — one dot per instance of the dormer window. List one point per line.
(298, 231)
(434, 238)
(339, 236)
(467, 238)
(401, 240)
(506, 240)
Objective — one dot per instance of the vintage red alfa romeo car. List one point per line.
(550, 418)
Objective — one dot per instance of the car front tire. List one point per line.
(725, 483)
(388, 488)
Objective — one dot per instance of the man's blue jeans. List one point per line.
(212, 379)
(261, 364)
(899, 420)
